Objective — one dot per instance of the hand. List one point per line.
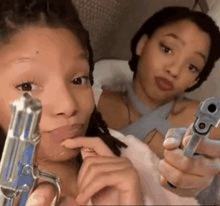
(189, 175)
(103, 175)
(44, 195)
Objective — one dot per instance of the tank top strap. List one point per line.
(152, 119)
(138, 104)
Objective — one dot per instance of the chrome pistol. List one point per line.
(18, 171)
(207, 117)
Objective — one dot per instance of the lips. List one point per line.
(67, 132)
(164, 84)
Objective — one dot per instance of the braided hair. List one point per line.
(18, 14)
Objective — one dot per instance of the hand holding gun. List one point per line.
(18, 172)
(207, 118)
(194, 169)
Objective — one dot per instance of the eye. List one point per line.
(81, 80)
(193, 68)
(165, 48)
(26, 86)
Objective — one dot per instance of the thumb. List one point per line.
(173, 138)
(43, 195)
(186, 139)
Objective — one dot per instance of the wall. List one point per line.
(212, 86)
(112, 23)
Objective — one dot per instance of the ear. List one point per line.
(141, 44)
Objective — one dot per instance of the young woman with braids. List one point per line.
(173, 52)
(46, 51)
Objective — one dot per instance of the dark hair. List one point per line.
(17, 14)
(171, 15)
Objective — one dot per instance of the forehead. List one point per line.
(188, 32)
(41, 43)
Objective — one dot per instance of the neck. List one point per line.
(67, 172)
(142, 95)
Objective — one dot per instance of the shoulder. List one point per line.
(183, 112)
(113, 109)
(185, 105)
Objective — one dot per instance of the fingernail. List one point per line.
(81, 199)
(169, 141)
(37, 199)
(87, 152)
(65, 143)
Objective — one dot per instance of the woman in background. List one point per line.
(172, 53)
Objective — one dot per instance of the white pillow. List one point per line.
(108, 73)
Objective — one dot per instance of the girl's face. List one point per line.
(53, 66)
(171, 60)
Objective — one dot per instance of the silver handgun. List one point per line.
(207, 117)
(18, 172)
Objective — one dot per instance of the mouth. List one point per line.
(67, 132)
(164, 84)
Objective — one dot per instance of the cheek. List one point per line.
(187, 80)
(149, 63)
(86, 102)
(5, 108)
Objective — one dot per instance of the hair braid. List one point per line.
(97, 127)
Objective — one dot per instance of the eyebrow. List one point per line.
(183, 43)
(176, 37)
(22, 59)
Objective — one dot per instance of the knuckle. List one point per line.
(133, 172)
(176, 179)
(92, 168)
(185, 165)
(128, 161)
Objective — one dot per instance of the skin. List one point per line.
(174, 53)
(53, 66)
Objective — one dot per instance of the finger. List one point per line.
(198, 165)
(180, 192)
(189, 130)
(69, 201)
(118, 179)
(94, 143)
(87, 152)
(182, 180)
(43, 195)
(96, 170)
(173, 138)
(93, 161)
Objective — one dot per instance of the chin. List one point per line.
(56, 155)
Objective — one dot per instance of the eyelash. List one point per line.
(86, 78)
(83, 77)
(191, 67)
(23, 82)
(164, 48)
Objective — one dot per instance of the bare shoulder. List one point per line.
(183, 112)
(113, 109)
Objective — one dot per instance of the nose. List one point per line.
(173, 68)
(61, 102)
